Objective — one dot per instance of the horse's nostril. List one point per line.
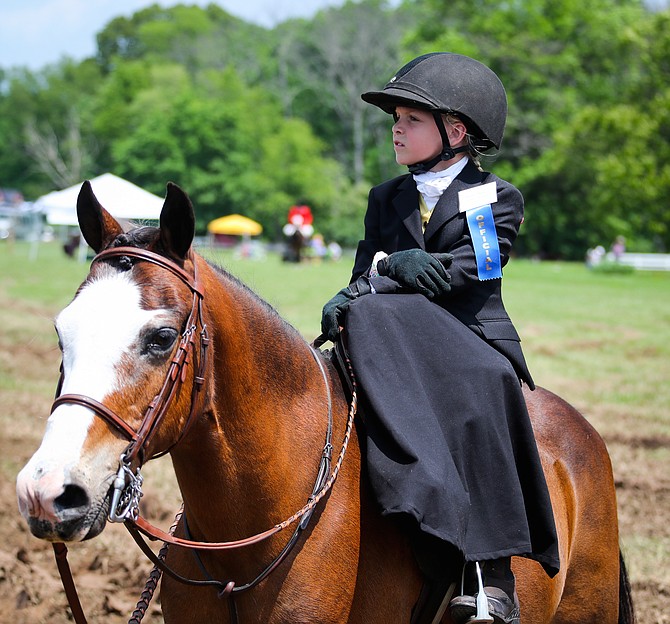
(74, 496)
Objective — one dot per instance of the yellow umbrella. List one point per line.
(235, 225)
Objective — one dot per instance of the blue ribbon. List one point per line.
(485, 241)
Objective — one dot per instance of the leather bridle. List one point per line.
(157, 409)
(127, 486)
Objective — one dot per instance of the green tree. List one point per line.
(245, 118)
(574, 71)
(190, 36)
(229, 148)
(334, 58)
(45, 127)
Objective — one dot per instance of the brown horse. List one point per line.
(200, 367)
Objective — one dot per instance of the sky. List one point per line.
(35, 33)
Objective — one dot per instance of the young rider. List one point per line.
(449, 443)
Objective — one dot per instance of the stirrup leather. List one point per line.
(483, 615)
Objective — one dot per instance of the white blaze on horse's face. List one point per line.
(101, 324)
(96, 329)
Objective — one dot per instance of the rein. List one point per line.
(127, 485)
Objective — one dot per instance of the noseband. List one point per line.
(127, 487)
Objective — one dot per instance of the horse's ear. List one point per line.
(177, 222)
(98, 227)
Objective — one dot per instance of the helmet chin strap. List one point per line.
(447, 152)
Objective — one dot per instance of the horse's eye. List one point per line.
(160, 341)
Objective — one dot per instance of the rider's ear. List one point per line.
(177, 222)
(456, 130)
(97, 226)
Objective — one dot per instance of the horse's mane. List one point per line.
(229, 279)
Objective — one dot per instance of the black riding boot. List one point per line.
(496, 580)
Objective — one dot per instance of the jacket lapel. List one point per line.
(447, 206)
(406, 204)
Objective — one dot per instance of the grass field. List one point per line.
(601, 341)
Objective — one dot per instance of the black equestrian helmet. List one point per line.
(450, 83)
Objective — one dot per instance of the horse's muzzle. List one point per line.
(63, 514)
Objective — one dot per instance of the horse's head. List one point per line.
(129, 339)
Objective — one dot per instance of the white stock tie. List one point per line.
(431, 187)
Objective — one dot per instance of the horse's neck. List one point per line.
(255, 452)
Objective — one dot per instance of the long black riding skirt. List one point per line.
(449, 441)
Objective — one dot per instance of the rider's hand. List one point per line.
(333, 312)
(418, 271)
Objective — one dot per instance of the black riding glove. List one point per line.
(418, 271)
(333, 312)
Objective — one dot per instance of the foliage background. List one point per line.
(252, 120)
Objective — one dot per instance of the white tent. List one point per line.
(122, 199)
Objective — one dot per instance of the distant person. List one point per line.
(450, 448)
(595, 255)
(618, 248)
(71, 246)
(334, 251)
(318, 246)
(298, 230)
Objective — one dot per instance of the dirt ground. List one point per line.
(110, 571)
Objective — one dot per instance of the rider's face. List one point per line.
(415, 136)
